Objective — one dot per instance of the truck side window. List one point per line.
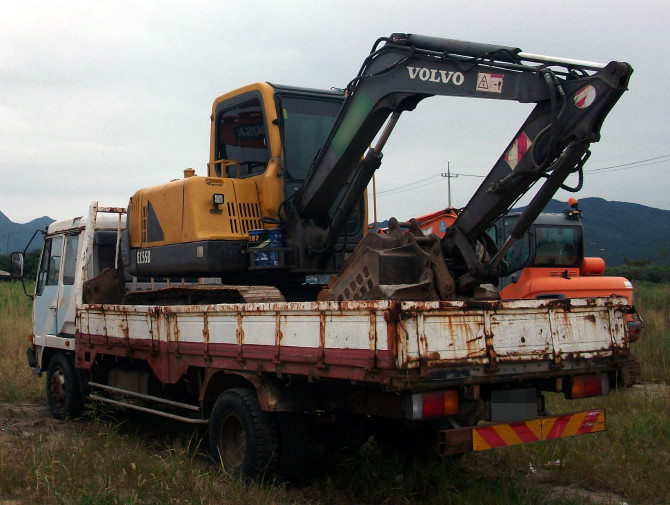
(242, 138)
(54, 261)
(44, 267)
(70, 262)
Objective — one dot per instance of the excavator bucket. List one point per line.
(394, 265)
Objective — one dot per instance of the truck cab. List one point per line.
(58, 286)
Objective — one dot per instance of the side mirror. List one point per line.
(16, 270)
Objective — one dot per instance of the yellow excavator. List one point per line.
(283, 201)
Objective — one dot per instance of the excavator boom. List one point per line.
(572, 100)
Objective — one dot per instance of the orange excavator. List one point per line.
(548, 261)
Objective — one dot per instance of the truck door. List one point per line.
(46, 291)
(54, 286)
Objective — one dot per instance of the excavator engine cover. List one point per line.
(395, 265)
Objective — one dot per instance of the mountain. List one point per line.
(15, 236)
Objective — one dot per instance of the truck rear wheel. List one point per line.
(242, 437)
(63, 393)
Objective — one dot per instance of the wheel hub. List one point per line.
(232, 441)
(57, 386)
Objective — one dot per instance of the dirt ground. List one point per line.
(23, 421)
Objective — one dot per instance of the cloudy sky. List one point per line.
(100, 99)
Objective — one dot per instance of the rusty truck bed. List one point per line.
(403, 344)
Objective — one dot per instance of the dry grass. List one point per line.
(112, 458)
(16, 381)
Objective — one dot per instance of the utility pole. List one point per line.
(9, 234)
(448, 175)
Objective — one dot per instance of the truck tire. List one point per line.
(242, 437)
(62, 387)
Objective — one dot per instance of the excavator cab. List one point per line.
(263, 140)
(553, 241)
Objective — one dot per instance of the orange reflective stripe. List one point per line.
(486, 437)
(573, 424)
(547, 428)
(508, 434)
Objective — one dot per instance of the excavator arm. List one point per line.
(572, 100)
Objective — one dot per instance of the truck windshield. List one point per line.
(558, 246)
(306, 124)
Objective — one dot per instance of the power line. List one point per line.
(632, 164)
(612, 168)
(419, 184)
(412, 185)
(402, 189)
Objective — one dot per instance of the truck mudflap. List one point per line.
(492, 436)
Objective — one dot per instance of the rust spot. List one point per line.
(125, 329)
(372, 341)
(239, 335)
(205, 334)
(176, 333)
(392, 318)
(482, 305)
(279, 336)
(321, 352)
(392, 314)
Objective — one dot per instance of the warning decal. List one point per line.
(491, 83)
(517, 150)
(585, 96)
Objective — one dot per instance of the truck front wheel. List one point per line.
(242, 437)
(63, 393)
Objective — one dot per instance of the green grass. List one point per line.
(111, 458)
(653, 349)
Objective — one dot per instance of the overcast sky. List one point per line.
(99, 99)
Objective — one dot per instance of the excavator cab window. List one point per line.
(242, 140)
(518, 255)
(558, 246)
(306, 123)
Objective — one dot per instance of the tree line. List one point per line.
(641, 270)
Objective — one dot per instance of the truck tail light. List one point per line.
(634, 325)
(440, 404)
(583, 386)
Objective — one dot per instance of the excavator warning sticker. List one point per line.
(491, 83)
(517, 150)
(585, 96)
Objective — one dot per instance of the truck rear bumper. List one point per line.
(491, 436)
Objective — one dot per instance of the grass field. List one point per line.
(108, 458)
